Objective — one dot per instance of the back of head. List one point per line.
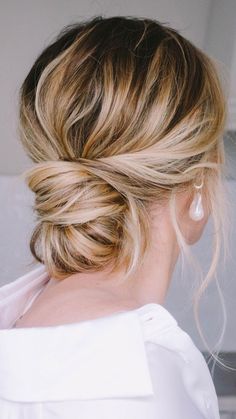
(118, 114)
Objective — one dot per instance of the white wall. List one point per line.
(220, 42)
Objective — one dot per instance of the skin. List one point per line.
(88, 296)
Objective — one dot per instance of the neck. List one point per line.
(149, 285)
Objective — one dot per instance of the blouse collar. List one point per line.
(100, 358)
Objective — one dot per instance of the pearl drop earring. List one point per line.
(196, 212)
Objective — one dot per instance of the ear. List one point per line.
(191, 230)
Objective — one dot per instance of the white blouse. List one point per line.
(136, 364)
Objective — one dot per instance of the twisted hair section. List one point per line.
(87, 216)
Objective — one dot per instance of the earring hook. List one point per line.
(198, 186)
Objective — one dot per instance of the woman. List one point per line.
(124, 118)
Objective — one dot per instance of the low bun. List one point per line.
(84, 222)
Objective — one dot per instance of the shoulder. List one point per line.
(17, 294)
(182, 382)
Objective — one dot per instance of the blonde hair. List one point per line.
(119, 113)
